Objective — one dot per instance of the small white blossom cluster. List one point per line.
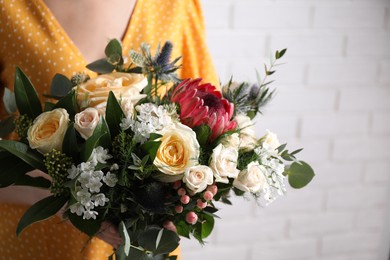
(150, 118)
(89, 181)
(274, 174)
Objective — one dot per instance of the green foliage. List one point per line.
(7, 126)
(124, 248)
(100, 137)
(22, 124)
(69, 103)
(78, 79)
(299, 174)
(11, 169)
(60, 86)
(203, 227)
(57, 165)
(26, 96)
(113, 52)
(70, 146)
(101, 66)
(151, 146)
(41, 210)
(203, 133)
(114, 114)
(37, 182)
(89, 227)
(158, 241)
(9, 101)
(24, 152)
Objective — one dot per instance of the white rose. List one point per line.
(198, 177)
(48, 130)
(252, 179)
(127, 107)
(86, 121)
(232, 140)
(94, 92)
(270, 141)
(247, 132)
(179, 150)
(224, 163)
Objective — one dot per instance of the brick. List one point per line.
(335, 124)
(320, 224)
(384, 77)
(301, 100)
(259, 15)
(346, 198)
(210, 251)
(381, 123)
(241, 208)
(236, 44)
(371, 219)
(352, 256)
(330, 175)
(285, 127)
(377, 172)
(216, 15)
(358, 148)
(222, 68)
(244, 69)
(364, 100)
(314, 152)
(286, 249)
(349, 17)
(354, 72)
(309, 44)
(350, 242)
(368, 44)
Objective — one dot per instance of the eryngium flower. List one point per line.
(203, 104)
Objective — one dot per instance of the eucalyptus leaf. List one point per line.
(60, 86)
(126, 238)
(101, 66)
(24, 152)
(7, 126)
(26, 96)
(9, 101)
(41, 210)
(114, 114)
(88, 226)
(113, 47)
(300, 174)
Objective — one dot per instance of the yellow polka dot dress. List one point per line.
(32, 38)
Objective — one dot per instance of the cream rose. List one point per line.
(94, 92)
(252, 179)
(48, 130)
(270, 141)
(224, 163)
(86, 121)
(232, 140)
(198, 177)
(247, 132)
(179, 149)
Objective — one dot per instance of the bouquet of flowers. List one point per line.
(143, 149)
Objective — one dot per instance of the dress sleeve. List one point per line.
(197, 62)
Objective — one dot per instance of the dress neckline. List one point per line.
(64, 36)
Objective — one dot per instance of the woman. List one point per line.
(48, 37)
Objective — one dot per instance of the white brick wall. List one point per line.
(333, 99)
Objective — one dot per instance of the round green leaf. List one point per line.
(300, 174)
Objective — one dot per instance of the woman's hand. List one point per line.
(109, 234)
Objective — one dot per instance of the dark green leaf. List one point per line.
(126, 238)
(296, 151)
(9, 101)
(38, 182)
(60, 86)
(270, 72)
(41, 210)
(114, 115)
(26, 96)
(113, 47)
(24, 152)
(100, 137)
(281, 147)
(101, 66)
(183, 229)
(207, 225)
(89, 227)
(168, 241)
(203, 133)
(12, 169)
(300, 174)
(151, 147)
(70, 146)
(137, 70)
(69, 103)
(49, 106)
(7, 126)
(281, 53)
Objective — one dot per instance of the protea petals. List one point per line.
(204, 104)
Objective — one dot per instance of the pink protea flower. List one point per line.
(204, 104)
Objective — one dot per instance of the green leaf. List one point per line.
(300, 174)
(203, 133)
(89, 227)
(60, 86)
(24, 152)
(114, 114)
(37, 182)
(126, 238)
(70, 146)
(101, 66)
(69, 103)
(204, 227)
(41, 210)
(9, 101)
(113, 47)
(280, 53)
(12, 169)
(49, 106)
(281, 147)
(151, 146)
(26, 96)
(100, 137)
(7, 126)
(183, 229)
(168, 240)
